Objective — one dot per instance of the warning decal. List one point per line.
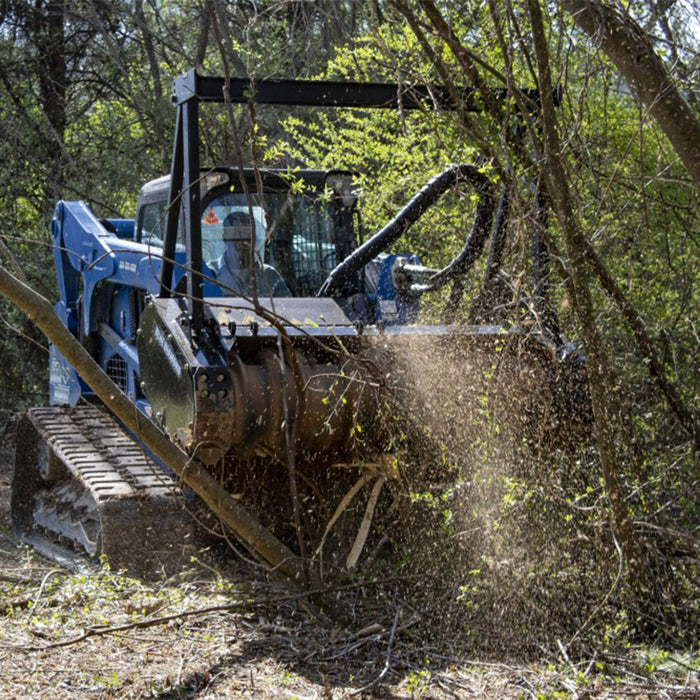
(211, 218)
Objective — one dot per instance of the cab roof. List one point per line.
(273, 180)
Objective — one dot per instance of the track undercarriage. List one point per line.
(83, 489)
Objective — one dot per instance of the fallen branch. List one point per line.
(387, 663)
(103, 630)
(363, 532)
(347, 499)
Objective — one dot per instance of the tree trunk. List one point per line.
(50, 43)
(628, 47)
(612, 451)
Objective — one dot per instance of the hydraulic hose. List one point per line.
(474, 244)
(415, 208)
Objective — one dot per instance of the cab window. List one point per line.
(294, 233)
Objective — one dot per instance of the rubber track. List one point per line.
(84, 489)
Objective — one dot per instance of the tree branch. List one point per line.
(628, 47)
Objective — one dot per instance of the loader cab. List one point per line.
(303, 223)
(152, 211)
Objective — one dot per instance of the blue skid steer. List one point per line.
(242, 310)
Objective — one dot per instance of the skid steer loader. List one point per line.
(242, 312)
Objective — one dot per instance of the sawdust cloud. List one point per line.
(477, 421)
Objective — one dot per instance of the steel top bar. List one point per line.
(317, 93)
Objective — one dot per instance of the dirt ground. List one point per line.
(221, 629)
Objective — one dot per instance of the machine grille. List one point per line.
(117, 371)
(133, 312)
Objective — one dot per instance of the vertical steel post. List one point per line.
(173, 218)
(192, 206)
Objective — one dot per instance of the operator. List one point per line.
(235, 267)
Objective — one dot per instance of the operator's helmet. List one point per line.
(236, 229)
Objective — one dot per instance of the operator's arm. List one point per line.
(226, 277)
